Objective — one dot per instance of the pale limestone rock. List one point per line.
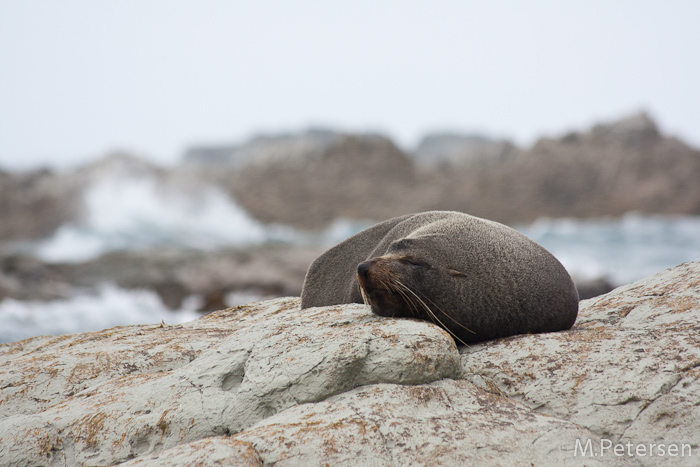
(628, 370)
(37, 373)
(446, 423)
(269, 357)
(216, 451)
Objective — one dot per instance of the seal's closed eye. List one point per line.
(411, 261)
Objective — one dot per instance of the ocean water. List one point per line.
(622, 249)
(136, 213)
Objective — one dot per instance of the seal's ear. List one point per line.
(455, 273)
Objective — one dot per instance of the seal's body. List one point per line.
(476, 278)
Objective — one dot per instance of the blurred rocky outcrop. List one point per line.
(607, 171)
(307, 180)
(117, 164)
(264, 150)
(34, 204)
(357, 176)
(174, 274)
(461, 150)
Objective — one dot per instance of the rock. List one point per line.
(35, 204)
(24, 277)
(444, 423)
(208, 452)
(117, 164)
(269, 384)
(628, 370)
(309, 179)
(106, 397)
(286, 149)
(634, 130)
(448, 150)
(174, 274)
(357, 177)
(609, 170)
(589, 288)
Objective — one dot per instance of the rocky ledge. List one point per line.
(269, 384)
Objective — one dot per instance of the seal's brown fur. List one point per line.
(476, 278)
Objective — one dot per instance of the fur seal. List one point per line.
(476, 278)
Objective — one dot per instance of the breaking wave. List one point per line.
(138, 213)
(111, 306)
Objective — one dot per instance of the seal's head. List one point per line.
(410, 280)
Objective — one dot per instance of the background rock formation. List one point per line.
(35, 204)
(311, 179)
(607, 171)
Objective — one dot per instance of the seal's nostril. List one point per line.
(362, 268)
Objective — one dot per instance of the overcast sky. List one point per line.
(79, 78)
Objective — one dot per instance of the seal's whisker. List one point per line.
(409, 301)
(432, 314)
(438, 308)
(446, 314)
(414, 298)
(419, 304)
(417, 301)
(365, 299)
(390, 286)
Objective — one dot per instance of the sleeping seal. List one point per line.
(476, 278)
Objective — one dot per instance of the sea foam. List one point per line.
(111, 306)
(138, 213)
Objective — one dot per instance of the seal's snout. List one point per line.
(362, 268)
